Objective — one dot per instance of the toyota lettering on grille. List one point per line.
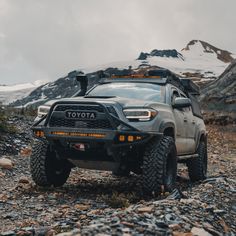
(82, 115)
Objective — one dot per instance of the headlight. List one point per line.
(43, 110)
(140, 114)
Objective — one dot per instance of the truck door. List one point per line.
(181, 125)
(190, 123)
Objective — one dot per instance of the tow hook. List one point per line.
(79, 146)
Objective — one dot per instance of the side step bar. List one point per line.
(184, 157)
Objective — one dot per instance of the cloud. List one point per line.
(46, 39)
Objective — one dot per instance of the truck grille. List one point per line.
(80, 108)
(95, 124)
(75, 123)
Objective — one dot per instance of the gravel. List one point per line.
(97, 203)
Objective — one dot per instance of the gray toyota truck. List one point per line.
(144, 123)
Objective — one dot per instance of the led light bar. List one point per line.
(77, 134)
(135, 76)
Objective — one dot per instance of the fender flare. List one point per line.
(200, 134)
(167, 124)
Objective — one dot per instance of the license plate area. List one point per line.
(79, 146)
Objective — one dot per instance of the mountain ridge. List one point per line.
(222, 55)
(193, 61)
(221, 93)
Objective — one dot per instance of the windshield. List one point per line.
(143, 91)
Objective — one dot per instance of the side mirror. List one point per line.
(181, 102)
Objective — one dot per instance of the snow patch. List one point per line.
(11, 93)
(34, 101)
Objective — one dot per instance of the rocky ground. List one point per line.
(96, 203)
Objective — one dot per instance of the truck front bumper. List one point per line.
(113, 137)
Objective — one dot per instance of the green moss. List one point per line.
(120, 200)
(117, 200)
(4, 126)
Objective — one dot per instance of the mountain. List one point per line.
(221, 94)
(160, 53)
(10, 93)
(63, 87)
(199, 60)
(222, 55)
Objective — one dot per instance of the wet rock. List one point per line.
(200, 232)
(177, 233)
(212, 231)
(214, 179)
(11, 215)
(24, 180)
(189, 201)
(82, 207)
(8, 233)
(29, 230)
(24, 233)
(44, 231)
(147, 209)
(176, 194)
(219, 212)
(172, 219)
(127, 224)
(175, 227)
(6, 163)
(26, 152)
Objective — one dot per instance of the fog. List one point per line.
(43, 40)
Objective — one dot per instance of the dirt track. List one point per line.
(96, 202)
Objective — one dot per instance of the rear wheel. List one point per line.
(160, 166)
(197, 166)
(46, 168)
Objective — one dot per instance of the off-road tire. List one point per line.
(159, 166)
(46, 168)
(197, 166)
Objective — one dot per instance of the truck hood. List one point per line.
(123, 102)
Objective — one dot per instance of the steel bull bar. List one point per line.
(115, 136)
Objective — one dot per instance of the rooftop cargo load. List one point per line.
(187, 84)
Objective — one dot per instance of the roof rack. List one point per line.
(160, 72)
(185, 84)
(164, 76)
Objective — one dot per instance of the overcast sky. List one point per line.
(45, 39)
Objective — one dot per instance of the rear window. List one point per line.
(142, 91)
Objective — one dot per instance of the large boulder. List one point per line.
(220, 95)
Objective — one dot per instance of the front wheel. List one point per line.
(160, 165)
(46, 168)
